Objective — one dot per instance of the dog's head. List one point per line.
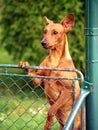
(54, 33)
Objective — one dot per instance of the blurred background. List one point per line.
(22, 24)
(23, 107)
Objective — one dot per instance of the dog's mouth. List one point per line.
(47, 47)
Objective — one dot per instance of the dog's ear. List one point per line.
(68, 22)
(47, 20)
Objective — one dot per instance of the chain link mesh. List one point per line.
(22, 106)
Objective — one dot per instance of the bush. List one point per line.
(22, 22)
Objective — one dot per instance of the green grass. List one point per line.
(23, 121)
(23, 113)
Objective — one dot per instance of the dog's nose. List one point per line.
(43, 42)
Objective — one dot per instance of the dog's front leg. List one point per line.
(49, 122)
(31, 72)
(53, 110)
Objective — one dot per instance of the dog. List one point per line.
(55, 40)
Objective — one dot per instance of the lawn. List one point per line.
(23, 113)
(22, 107)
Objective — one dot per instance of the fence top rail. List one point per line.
(42, 77)
(5, 66)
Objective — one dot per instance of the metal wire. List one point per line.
(23, 107)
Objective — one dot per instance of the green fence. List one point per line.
(24, 107)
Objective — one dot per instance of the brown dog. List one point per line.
(55, 40)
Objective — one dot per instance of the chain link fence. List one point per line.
(24, 107)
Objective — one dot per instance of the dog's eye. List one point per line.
(55, 32)
(45, 31)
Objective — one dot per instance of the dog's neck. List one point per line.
(60, 53)
(67, 53)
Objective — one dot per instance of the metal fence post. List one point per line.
(91, 32)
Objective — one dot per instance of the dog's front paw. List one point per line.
(24, 64)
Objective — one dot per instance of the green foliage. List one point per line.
(23, 24)
(4, 57)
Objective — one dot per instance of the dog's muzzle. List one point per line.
(44, 43)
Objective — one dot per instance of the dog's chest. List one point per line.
(52, 90)
(51, 61)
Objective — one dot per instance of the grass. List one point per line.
(23, 113)
(22, 107)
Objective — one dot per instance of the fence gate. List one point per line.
(24, 107)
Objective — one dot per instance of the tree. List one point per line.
(22, 22)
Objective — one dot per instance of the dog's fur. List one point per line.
(55, 40)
